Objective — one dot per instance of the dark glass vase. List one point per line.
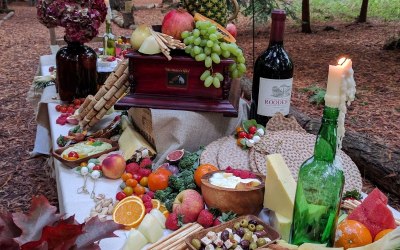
(76, 71)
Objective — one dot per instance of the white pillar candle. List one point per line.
(335, 81)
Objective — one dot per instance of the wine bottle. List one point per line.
(109, 41)
(319, 188)
(273, 75)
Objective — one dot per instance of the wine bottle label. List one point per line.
(274, 96)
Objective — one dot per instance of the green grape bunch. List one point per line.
(205, 43)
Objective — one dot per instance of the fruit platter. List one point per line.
(237, 192)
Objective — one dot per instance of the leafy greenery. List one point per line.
(263, 8)
(317, 94)
(345, 10)
(190, 160)
(387, 10)
(354, 194)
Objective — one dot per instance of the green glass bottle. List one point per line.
(109, 41)
(319, 188)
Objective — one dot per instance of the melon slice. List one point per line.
(159, 217)
(374, 213)
(151, 228)
(135, 241)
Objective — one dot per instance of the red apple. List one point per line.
(188, 203)
(113, 166)
(231, 28)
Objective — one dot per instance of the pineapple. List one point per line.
(213, 9)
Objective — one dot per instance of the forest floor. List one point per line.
(375, 112)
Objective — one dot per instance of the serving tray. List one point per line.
(271, 233)
(72, 164)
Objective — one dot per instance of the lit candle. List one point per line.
(336, 76)
(107, 2)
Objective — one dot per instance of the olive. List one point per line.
(244, 223)
(253, 222)
(251, 227)
(248, 236)
(259, 227)
(225, 235)
(245, 244)
(231, 236)
(196, 243)
(261, 234)
(240, 232)
(236, 225)
(246, 230)
(218, 248)
(261, 242)
(253, 246)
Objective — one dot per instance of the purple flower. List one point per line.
(80, 18)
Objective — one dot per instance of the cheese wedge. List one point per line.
(280, 187)
(130, 141)
(281, 224)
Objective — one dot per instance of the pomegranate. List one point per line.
(176, 21)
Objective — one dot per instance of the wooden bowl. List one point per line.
(241, 202)
(58, 152)
(271, 233)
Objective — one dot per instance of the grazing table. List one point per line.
(68, 181)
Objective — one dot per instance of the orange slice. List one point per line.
(225, 34)
(166, 213)
(129, 213)
(162, 208)
(156, 203)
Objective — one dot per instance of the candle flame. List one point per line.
(342, 60)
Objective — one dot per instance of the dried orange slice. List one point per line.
(156, 203)
(129, 212)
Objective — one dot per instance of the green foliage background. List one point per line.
(324, 10)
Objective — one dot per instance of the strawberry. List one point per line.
(144, 172)
(146, 198)
(132, 168)
(146, 163)
(148, 210)
(206, 218)
(225, 217)
(151, 194)
(216, 222)
(173, 221)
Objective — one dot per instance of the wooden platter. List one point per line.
(58, 152)
(271, 233)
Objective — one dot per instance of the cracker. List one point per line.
(296, 148)
(279, 122)
(230, 154)
(210, 152)
(252, 160)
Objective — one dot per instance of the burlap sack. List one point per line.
(169, 130)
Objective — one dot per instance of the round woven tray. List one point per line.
(284, 136)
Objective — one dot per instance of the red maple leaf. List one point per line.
(96, 230)
(41, 214)
(61, 236)
(8, 231)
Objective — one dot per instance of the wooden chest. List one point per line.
(158, 83)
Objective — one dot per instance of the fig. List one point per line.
(175, 155)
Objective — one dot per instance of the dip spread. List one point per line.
(228, 180)
(87, 148)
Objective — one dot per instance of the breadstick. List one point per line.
(182, 234)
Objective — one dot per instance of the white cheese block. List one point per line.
(151, 228)
(281, 224)
(280, 187)
(135, 241)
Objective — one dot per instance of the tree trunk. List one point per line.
(363, 13)
(376, 161)
(305, 17)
